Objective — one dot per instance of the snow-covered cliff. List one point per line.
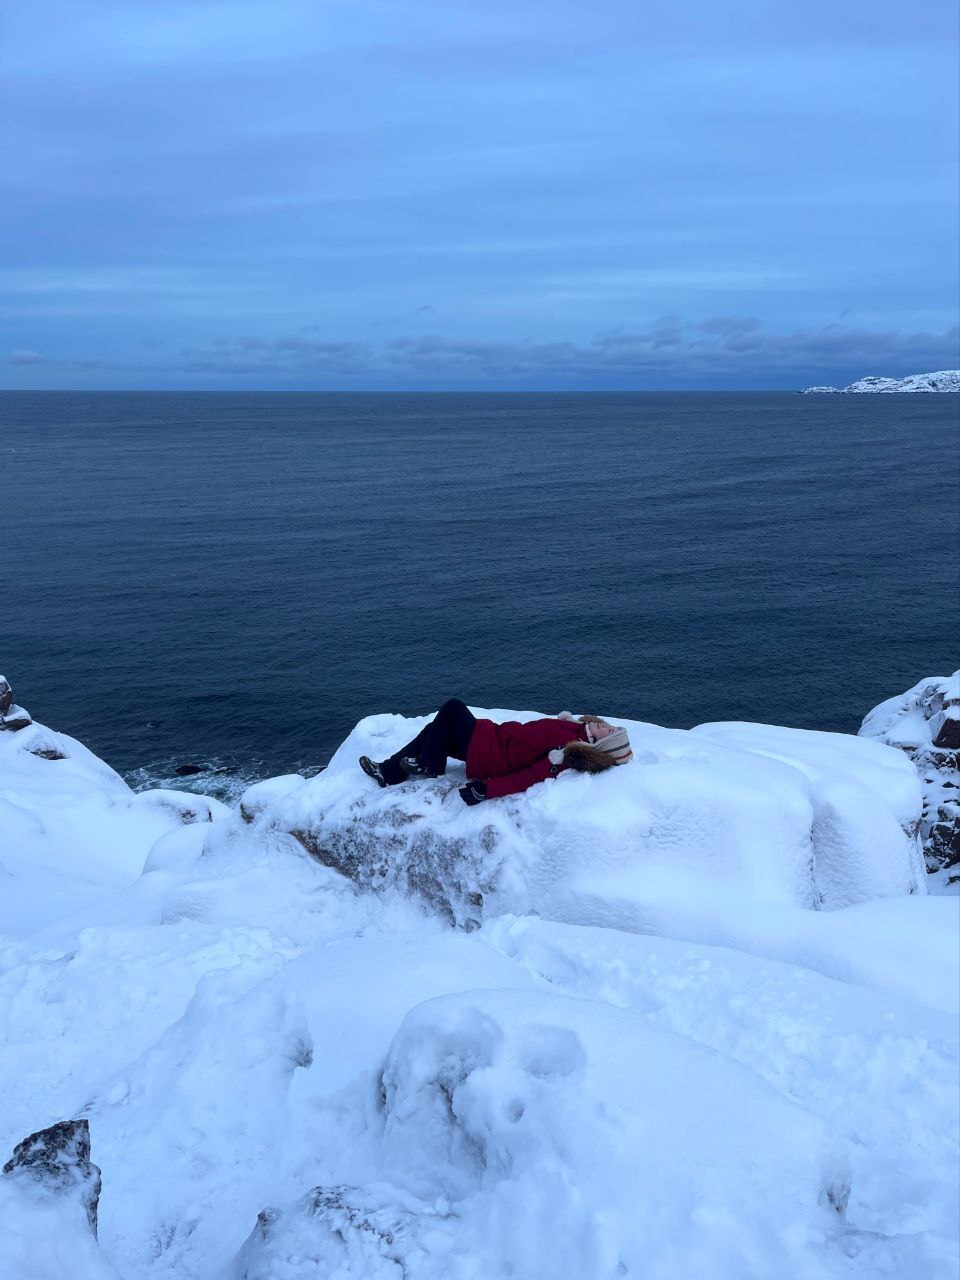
(646, 1053)
(942, 380)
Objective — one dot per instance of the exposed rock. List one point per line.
(948, 735)
(15, 718)
(188, 770)
(924, 723)
(58, 1158)
(11, 716)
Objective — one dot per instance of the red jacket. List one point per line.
(513, 756)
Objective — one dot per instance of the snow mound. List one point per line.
(866, 804)
(743, 811)
(533, 1134)
(924, 723)
(942, 380)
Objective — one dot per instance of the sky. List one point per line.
(476, 194)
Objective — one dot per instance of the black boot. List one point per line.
(385, 774)
(372, 770)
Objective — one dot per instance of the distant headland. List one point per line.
(944, 380)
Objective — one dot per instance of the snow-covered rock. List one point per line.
(262, 794)
(942, 380)
(57, 1160)
(48, 1208)
(924, 723)
(71, 829)
(12, 717)
(738, 811)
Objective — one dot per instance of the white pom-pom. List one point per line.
(566, 715)
(555, 756)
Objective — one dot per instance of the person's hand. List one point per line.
(473, 792)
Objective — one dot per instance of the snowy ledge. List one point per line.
(747, 812)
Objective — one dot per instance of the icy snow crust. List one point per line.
(289, 1076)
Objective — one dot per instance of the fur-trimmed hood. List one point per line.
(587, 758)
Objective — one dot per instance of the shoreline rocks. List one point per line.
(924, 723)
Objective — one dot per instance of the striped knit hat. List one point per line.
(615, 744)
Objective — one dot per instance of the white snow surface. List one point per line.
(651, 1057)
(941, 380)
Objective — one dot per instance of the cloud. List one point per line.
(242, 356)
(720, 346)
(673, 350)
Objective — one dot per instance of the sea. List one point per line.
(233, 580)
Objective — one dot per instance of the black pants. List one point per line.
(447, 734)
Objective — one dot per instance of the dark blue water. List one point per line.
(238, 578)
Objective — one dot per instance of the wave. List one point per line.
(218, 776)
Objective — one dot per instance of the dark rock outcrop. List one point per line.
(925, 724)
(16, 718)
(11, 716)
(58, 1159)
(948, 736)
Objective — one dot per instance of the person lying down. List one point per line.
(502, 758)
